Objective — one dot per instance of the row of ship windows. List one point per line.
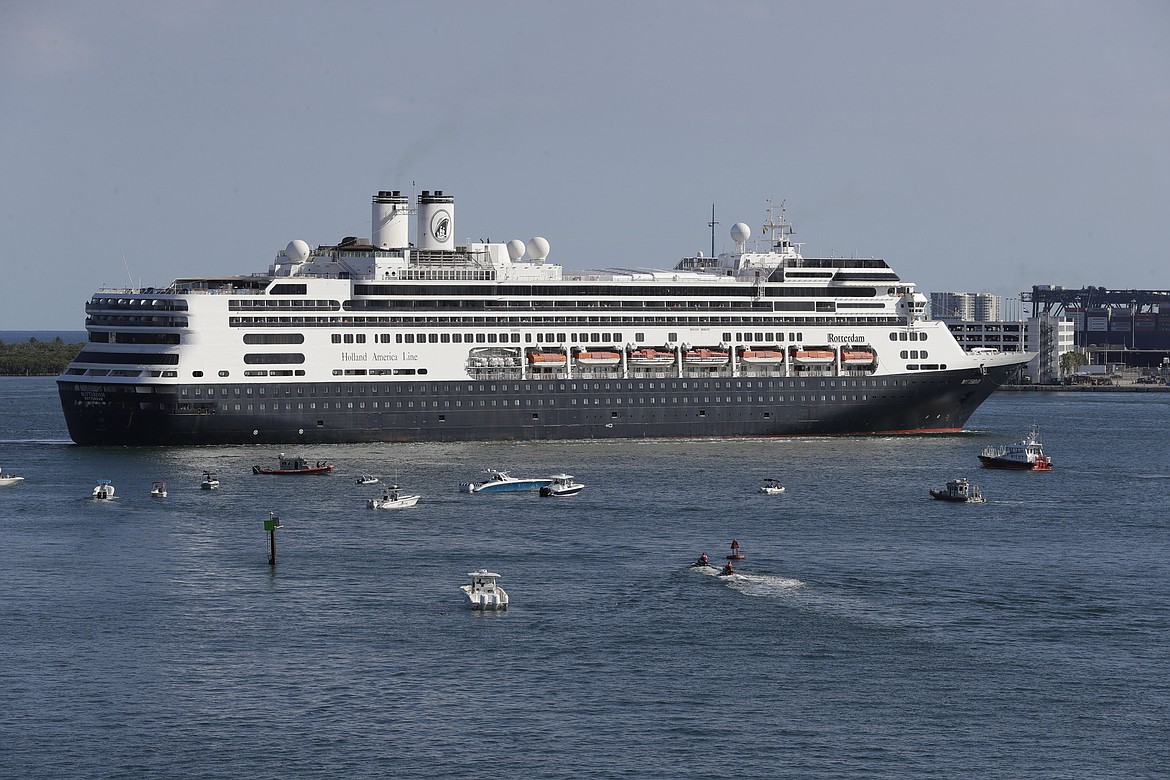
(592, 294)
(259, 303)
(529, 402)
(913, 335)
(541, 387)
(156, 304)
(514, 338)
(680, 321)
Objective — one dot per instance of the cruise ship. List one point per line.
(384, 339)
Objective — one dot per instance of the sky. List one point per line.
(985, 146)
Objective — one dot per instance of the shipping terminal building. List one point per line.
(1128, 328)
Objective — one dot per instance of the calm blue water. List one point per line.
(874, 631)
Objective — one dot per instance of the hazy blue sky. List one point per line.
(975, 146)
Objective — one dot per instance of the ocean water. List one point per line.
(872, 631)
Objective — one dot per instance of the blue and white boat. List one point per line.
(562, 485)
(503, 482)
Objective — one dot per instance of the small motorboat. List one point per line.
(960, 490)
(294, 465)
(562, 485)
(1025, 455)
(483, 592)
(158, 489)
(209, 481)
(9, 479)
(503, 482)
(727, 571)
(736, 554)
(392, 499)
(701, 562)
(103, 490)
(366, 479)
(772, 487)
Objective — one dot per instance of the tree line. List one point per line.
(37, 358)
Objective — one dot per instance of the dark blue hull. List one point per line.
(332, 412)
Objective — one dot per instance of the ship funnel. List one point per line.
(436, 220)
(389, 222)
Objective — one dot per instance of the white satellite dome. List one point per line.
(297, 251)
(515, 249)
(537, 248)
(740, 232)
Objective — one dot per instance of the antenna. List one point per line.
(128, 276)
(712, 225)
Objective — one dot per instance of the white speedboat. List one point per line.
(483, 592)
(503, 482)
(772, 487)
(103, 490)
(158, 489)
(393, 499)
(9, 479)
(209, 481)
(562, 485)
(367, 479)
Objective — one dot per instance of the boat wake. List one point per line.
(763, 585)
(757, 585)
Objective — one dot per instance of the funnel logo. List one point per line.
(441, 226)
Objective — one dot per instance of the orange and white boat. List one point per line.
(550, 359)
(814, 356)
(650, 357)
(857, 357)
(705, 357)
(599, 358)
(1026, 455)
(761, 357)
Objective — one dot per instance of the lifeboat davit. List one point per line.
(761, 357)
(705, 357)
(814, 356)
(599, 358)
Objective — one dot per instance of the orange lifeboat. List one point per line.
(704, 357)
(761, 357)
(857, 357)
(814, 356)
(550, 359)
(598, 358)
(650, 357)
